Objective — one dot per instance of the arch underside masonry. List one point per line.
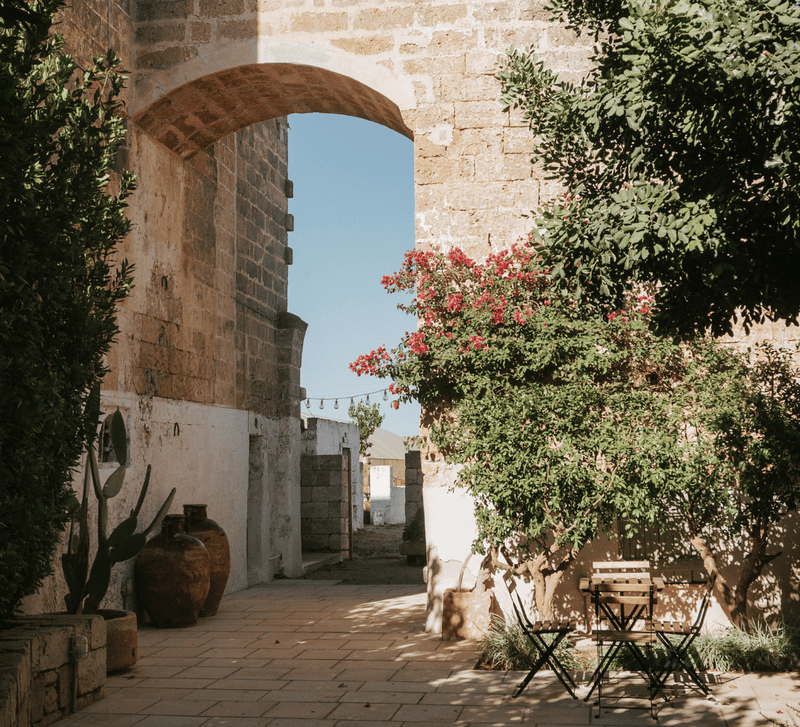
(195, 115)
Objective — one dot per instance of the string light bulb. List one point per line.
(385, 395)
(352, 403)
(336, 404)
(322, 403)
(308, 403)
(367, 398)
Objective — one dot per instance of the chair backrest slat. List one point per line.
(617, 567)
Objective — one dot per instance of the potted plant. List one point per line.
(87, 588)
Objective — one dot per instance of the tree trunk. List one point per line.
(753, 566)
(552, 581)
(546, 579)
(536, 569)
(727, 599)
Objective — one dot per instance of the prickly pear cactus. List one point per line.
(88, 588)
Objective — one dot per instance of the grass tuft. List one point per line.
(506, 646)
(760, 649)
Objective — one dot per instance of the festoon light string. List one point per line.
(335, 399)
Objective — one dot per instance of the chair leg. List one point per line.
(555, 664)
(679, 657)
(547, 656)
(602, 667)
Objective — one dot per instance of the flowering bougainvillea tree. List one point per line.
(549, 409)
(566, 419)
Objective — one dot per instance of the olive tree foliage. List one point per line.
(369, 418)
(61, 216)
(742, 429)
(681, 154)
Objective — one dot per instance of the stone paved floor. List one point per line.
(318, 654)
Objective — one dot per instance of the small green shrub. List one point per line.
(414, 532)
(760, 649)
(506, 646)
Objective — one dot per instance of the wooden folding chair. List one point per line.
(678, 651)
(536, 631)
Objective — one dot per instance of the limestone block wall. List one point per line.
(423, 69)
(328, 436)
(211, 254)
(414, 510)
(206, 368)
(38, 668)
(325, 510)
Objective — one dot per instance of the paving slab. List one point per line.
(324, 654)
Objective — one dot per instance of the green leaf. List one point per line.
(92, 415)
(143, 492)
(129, 549)
(161, 513)
(114, 482)
(99, 578)
(123, 531)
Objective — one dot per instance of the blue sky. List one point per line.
(353, 210)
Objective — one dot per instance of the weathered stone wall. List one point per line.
(37, 668)
(207, 357)
(432, 65)
(328, 436)
(210, 249)
(414, 548)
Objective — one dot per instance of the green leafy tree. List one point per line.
(566, 422)
(369, 418)
(551, 413)
(61, 216)
(741, 476)
(680, 155)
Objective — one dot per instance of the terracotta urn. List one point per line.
(122, 639)
(173, 576)
(214, 538)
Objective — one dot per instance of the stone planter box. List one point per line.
(38, 669)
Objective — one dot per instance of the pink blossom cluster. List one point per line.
(372, 363)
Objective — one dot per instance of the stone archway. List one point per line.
(425, 69)
(203, 350)
(200, 112)
(207, 68)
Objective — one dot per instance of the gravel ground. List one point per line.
(376, 560)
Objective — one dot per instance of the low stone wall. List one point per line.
(38, 666)
(415, 513)
(324, 503)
